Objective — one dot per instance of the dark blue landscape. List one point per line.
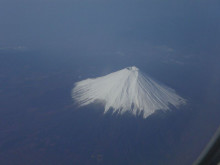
(45, 47)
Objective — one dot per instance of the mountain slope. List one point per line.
(126, 90)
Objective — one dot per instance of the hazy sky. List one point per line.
(64, 41)
(188, 26)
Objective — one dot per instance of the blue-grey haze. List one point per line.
(47, 45)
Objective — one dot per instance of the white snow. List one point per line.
(127, 90)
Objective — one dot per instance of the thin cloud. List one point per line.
(165, 48)
(15, 48)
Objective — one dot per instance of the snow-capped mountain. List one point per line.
(127, 90)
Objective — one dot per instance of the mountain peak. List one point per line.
(132, 68)
(127, 90)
